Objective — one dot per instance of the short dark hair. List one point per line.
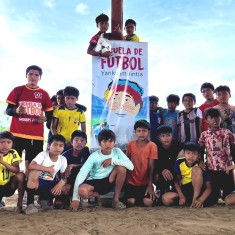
(153, 98)
(190, 95)
(79, 133)
(71, 91)
(130, 21)
(34, 67)
(57, 137)
(106, 135)
(207, 85)
(142, 124)
(222, 88)
(173, 98)
(192, 146)
(7, 135)
(164, 129)
(101, 18)
(212, 112)
(60, 92)
(53, 98)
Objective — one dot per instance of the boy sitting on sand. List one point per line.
(104, 169)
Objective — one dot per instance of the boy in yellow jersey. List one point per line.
(68, 117)
(10, 176)
(192, 184)
(130, 27)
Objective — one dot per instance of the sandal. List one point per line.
(118, 205)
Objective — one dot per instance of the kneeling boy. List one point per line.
(105, 169)
(192, 184)
(10, 176)
(47, 165)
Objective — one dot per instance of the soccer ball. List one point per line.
(103, 45)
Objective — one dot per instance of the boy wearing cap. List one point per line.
(10, 176)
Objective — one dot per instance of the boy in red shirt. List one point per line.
(142, 152)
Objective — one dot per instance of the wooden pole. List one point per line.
(117, 14)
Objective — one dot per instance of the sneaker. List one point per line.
(30, 209)
(2, 204)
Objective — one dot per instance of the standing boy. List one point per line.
(218, 143)
(130, 27)
(10, 176)
(227, 111)
(26, 105)
(207, 90)
(47, 165)
(142, 153)
(68, 117)
(168, 150)
(192, 184)
(103, 170)
(169, 115)
(189, 120)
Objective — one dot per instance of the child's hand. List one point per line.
(117, 28)
(196, 204)
(56, 190)
(74, 205)
(229, 168)
(182, 200)
(68, 170)
(21, 110)
(106, 162)
(51, 170)
(167, 175)
(106, 54)
(42, 118)
(149, 190)
(1, 157)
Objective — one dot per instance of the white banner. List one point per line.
(119, 91)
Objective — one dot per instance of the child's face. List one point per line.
(223, 97)
(103, 26)
(130, 29)
(142, 133)
(70, 101)
(60, 99)
(56, 148)
(54, 104)
(191, 156)
(33, 77)
(165, 139)
(172, 106)
(153, 105)
(188, 102)
(207, 93)
(214, 122)
(107, 146)
(5, 145)
(79, 143)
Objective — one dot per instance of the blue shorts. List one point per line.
(45, 186)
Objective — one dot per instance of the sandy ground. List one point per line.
(95, 220)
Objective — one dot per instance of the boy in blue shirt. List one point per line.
(192, 184)
(104, 169)
(169, 115)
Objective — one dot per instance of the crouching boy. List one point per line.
(46, 165)
(192, 184)
(10, 176)
(103, 170)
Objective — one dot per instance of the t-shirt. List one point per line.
(185, 172)
(35, 101)
(228, 117)
(189, 125)
(68, 120)
(218, 153)
(94, 40)
(140, 155)
(95, 170)
(44, 159)
(204, 107)
(155, 122)
(132, 38)
(170, 119)
(11, 157)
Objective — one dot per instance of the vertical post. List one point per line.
(117, 14)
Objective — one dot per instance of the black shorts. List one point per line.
(32, 147)
(7, 190)
(137, 192)
(101, 186)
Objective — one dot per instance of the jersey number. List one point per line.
(5, 174)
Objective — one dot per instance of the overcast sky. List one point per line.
(189, 41)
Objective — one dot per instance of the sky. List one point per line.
(189, 42)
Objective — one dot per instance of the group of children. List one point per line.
(183, 157)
